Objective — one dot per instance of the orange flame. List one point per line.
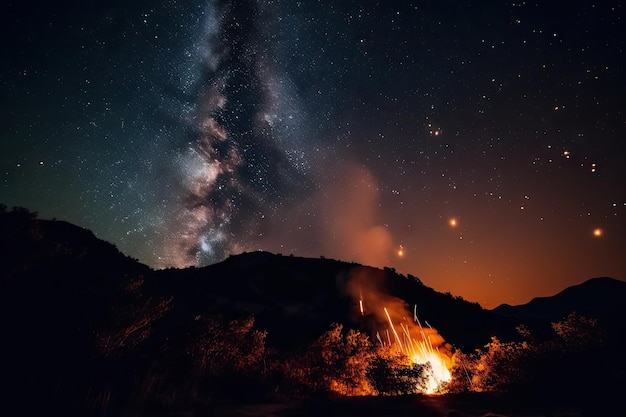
(420, 350)
(421, 345)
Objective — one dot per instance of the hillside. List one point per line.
(29, 244)
(88, 327)
(299, 297)
(296, 299)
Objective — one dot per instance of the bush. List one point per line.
(541, 366)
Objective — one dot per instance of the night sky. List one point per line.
(478, 145)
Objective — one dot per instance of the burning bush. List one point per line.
(393, 373)
(349, 364)
(411, 350)
(335, 363)
(546, 365)
(501, 365)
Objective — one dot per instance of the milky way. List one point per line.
(245, 158)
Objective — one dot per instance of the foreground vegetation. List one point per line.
(214, 358)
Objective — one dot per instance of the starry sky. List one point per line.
(480, 146)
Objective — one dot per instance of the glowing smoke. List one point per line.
(352, 224)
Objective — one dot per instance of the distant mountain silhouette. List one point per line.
(600, 298)
(597, 297)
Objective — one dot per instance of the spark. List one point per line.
(453, 222)
(393, 328)
(597, 232)
(361, 301)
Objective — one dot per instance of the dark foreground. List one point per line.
(467, 405)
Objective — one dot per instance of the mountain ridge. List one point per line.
(312, 292)
(553, 307)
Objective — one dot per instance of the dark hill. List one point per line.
(296, 299)
(600, 298)
(597, 297)
(58, 284)
(29, 244)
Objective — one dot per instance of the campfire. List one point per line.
(401, 331)
(420, 345)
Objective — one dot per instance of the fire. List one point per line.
(419, 349)
(399, 332)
